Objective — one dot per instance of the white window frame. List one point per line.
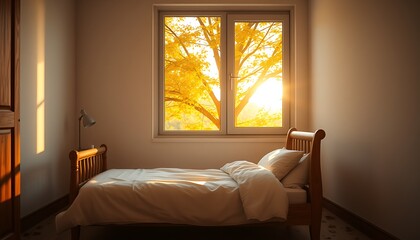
(297, 98)
(278, 16)
(222, 130)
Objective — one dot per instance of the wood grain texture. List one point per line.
(9, 120)
(5, 53)
(6, 192)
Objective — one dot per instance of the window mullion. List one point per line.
(223, 70)
(230, 75)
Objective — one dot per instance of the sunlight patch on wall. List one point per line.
(40, 79)
(40, 109)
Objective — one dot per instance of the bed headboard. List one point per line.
(85, 164)
(309, 142)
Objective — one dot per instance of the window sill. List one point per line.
(220, 139)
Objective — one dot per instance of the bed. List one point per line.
(246, 193)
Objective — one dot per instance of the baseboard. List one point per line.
(357, 222)
(34, 218)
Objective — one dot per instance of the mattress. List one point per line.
(296, 195)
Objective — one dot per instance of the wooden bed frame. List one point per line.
(88, 163)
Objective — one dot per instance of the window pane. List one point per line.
(258, 74)
(191, 74)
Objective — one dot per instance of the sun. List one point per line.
(269, 95)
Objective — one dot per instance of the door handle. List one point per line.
(231, 80)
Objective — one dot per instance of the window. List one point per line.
(223, 73)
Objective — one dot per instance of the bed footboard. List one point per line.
(84, 165)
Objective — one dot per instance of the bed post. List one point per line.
(74, 173)
(315, 190)
(74, 187)
(104, 158)
(311, 212)
(289, 138)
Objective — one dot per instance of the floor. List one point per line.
(332, 228)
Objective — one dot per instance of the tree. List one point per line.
(192, 62)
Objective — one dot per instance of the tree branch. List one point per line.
(179, 40)
(197, 107)
(256, 48)
(261, 79)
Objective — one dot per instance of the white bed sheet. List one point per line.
(208, 197)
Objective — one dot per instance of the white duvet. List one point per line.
(240, 192)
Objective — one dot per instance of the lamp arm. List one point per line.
(80, 121)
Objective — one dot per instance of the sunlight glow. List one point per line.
(6, 185)
(269, 96)
(108, 183)
(273, 155)
(216, 91)
(175, 182)
(40, 80)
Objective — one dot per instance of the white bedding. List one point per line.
(240, 192)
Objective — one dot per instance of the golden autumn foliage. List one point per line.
(192, 73)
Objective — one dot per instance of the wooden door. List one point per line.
(9, 120)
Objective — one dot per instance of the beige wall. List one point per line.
(114, 85)
(364, 72)
(365, 94)
(107, 70)
(47, 81)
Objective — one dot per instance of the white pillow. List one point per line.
(281, 161)
(298, 177)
